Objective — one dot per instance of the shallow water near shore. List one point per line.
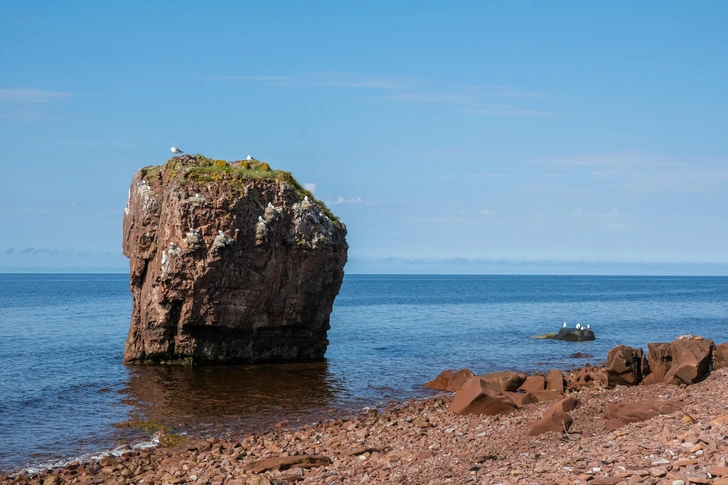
(63, 387)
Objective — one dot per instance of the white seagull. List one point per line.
(578, 327)
(270, 206)
(564, 325)
(249, 158)
(176, 151)
(588, 326)
(305, 199)
(260, 219)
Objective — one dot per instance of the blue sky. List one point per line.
(557, 137)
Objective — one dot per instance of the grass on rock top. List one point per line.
(201, 169)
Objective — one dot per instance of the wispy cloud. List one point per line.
(341, 200)
(310, 186)
(511, 111)
(613, 219)
(643, 172)
(555, 189)
(473, 99)
(32, 251)
(490, 175)
(330, 79)
(29, 95)
(487, 212)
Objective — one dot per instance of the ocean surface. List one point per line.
(63, 386)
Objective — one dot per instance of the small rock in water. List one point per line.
(580, 355)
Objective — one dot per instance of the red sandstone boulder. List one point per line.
(450, 380)
(555, 381)
(522, 398)
(621, 414)
(547, 396)
(720, 356)
(660, 359)
(505, 380)
(691, 360)
(533, 384)
(286, 462)
(626, 366)
(586, 376)
(557, 421)
(685, 360)
(564, 406)
(479, 396)
(556, 418)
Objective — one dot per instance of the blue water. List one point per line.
(63, 387)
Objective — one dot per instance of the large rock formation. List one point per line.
(229, 263)
(626, 366)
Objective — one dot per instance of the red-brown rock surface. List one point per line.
(228, 265)
(720, 356)
(505, 380)
(533, 384)
(480, 396)
(626, 366)
(555, 381)
(621, 414)
(450, 380)
(685, 360)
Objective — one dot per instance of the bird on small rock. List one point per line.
(270, 206)
(176, 151)
(260, 219)
(564, 325)
(305, 199)
(250, 158)
(588, 327)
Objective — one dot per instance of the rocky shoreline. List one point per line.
(668, 434)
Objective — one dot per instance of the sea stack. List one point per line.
(228, 264)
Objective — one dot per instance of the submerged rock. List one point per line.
(229, 263)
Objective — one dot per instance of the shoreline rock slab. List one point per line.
(450, 380)
(480, 396)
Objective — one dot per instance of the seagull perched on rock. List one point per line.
(578, 326)
(250, 158)
(588, 327)
(260, 219)
(564, 325)
(176, 151)
(305, 199)
(270, 206)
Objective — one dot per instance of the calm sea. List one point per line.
(63, 387)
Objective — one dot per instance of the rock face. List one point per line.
(450, 380)
(479, 396)
(720, 356)
(229, 263)
(685, 360)
(621, 414)
(504, 380)
(626, 366)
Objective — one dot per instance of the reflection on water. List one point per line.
(251, 398)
